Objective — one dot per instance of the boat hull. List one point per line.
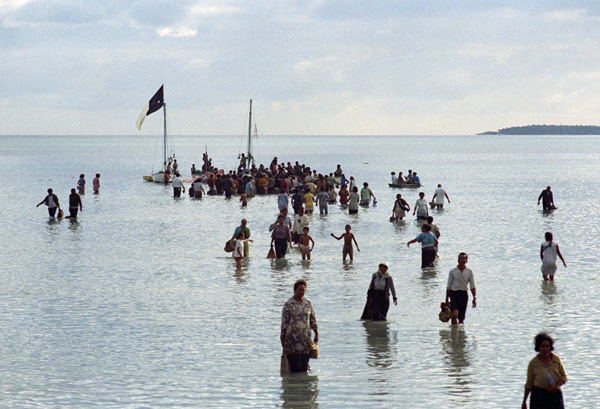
(405, 185)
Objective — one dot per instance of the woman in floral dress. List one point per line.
(297, 321)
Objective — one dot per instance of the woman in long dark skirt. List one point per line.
(378, 296)
(280, 236)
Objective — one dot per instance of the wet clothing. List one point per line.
(549, 258)
(379, 294)
(297, 321)
(540, 377)
(547, 199)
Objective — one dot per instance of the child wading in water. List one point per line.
(348, 238)
(305, 247)
(239, 248)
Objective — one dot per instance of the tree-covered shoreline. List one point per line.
(547, 130)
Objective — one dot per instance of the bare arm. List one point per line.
(411, 242)
(336, 237)
(447, 197)
(542, 252)
(474, 292)
(353, 238)
(560, 255)
(313, 244)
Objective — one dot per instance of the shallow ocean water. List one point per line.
(135, 304)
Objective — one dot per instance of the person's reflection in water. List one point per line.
(428, 279)
(548, 292)
(299, 390)
(456, 348)
(379, 353)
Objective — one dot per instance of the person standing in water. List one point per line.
(280, 236)
(348, 237)
(322, 200)
(51, 200)
(548, 253)
(81, 184)
(366, 194)
(297, 320)
(381, 285)
(177, 186)
(421, 207)
(96, 184)
(353, 200)
(305, 244)
(75, 204)
(243, 228)
(400, 208)
(438, 197)
(458, 280)
(547, 199)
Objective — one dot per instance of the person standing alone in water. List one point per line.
(547, 199)
(96, 183)
(548, 253)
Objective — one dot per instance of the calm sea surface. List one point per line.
(135, 304)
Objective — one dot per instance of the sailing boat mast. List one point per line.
(165, 137)
(249, 136)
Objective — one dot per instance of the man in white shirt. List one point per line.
(458, 280)
(300, 222)
(177, 186)
(394, 178)
(438, 197)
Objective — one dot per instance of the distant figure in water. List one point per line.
(378, 295)
(81, 184)
(548, 253)
(74, 204)
(244, 199)
(547, 199)
(438, 197)
(240, 243)
(51, 200)
(96, 184)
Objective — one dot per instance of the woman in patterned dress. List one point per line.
(297, 321)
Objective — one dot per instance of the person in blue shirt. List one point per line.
(415, 179)
(429, 244)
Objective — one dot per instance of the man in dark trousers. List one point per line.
(547, 199)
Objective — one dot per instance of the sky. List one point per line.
(345, 67)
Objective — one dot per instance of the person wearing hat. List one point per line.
(378, 296)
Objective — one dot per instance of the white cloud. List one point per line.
(201, 10)
(566, 15)
(177, 32)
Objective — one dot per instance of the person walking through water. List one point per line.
(297, 320)
(438, 197)
(400, 208)
(429, 245)
(548, 253)
(547, 199)
(96, 184)
(243, 228)
(458, 280)
(421, 207)
(545, 375)
(75, 204)
(280, 237)
(51, 200)
(81, 184)
(378, 295)
(240, 242)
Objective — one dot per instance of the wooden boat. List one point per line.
(405, 185)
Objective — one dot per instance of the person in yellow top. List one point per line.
(309, 202)
(545, 375)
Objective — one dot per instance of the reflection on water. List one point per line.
(429, 280)
(457, 356)
(379, 352)
(299, 390)
(549, 292)
(348, 266)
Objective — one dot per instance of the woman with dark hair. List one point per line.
(545, 375)
(280, 236)
(297, 321)
(429, 246)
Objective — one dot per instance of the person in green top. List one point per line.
(246, 230)
(354, 198)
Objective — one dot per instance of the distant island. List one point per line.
(547, 130)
